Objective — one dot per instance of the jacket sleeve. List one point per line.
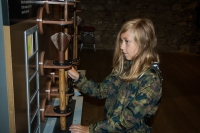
(134, 110)
(98, 90)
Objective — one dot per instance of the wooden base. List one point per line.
(53, 91)
(40, 21)
(52, 124)
(43, 63)
(46, 66)
(48, 110)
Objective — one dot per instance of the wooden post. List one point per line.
(62, 91)
(63, 83)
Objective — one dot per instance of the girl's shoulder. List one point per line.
(152, 73)
(148, 78)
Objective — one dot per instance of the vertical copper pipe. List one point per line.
(65, 12)
(76, 42)
(74, 36)
(61, 56)
(62, 46)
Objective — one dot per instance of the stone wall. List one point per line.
(175, 21)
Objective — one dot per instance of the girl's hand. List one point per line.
(73, 74)
(79, 129)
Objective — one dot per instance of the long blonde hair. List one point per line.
(144, 36)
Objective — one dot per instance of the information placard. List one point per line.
(20, 10)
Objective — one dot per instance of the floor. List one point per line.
(179, 111)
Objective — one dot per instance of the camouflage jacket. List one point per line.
(129, 105)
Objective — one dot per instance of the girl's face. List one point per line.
(128, 46)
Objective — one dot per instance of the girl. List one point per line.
(133, 89)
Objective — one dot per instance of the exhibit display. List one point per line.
(44, 99)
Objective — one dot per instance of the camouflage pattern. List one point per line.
(129, 105)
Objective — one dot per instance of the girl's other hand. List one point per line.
(73, 74)
(79, 129)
